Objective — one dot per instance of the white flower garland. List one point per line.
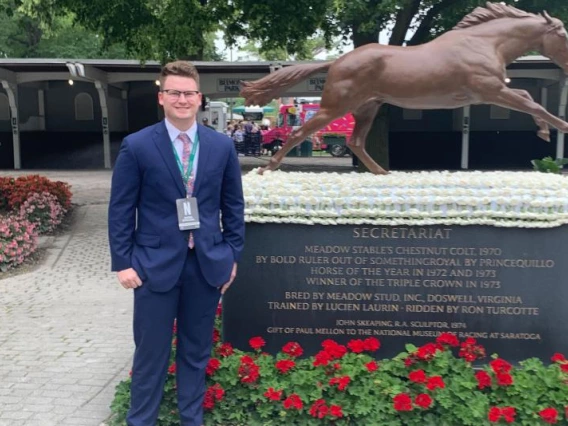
(507, 199)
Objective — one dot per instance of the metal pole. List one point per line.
(101, 88)
(562, 114)
(11, 91)
(465, 137)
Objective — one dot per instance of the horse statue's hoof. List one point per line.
(379, 170)
(545, 135)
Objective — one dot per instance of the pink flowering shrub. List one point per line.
(6, 185)
(43, 210)
(18, 240)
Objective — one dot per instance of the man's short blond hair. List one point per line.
(179, 68)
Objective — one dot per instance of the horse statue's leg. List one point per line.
(510, 98)
(364, 116)
(321, 119)
(543, 130)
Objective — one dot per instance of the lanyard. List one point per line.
(187, 175)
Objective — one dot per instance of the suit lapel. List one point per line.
(164, 145)
(205, 146)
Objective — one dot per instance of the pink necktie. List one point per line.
(185, 163)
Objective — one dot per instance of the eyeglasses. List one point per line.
(175, 94)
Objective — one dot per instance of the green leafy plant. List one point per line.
(432, 385)
(549, 165)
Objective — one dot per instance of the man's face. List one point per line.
(183, 109)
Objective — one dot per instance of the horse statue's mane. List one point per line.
(491, 12)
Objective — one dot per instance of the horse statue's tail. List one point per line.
(262, 91)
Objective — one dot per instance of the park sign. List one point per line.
(486, 262)
(230, 84)
(315, 84)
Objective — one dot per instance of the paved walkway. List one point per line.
(65, 334)
(65, 329)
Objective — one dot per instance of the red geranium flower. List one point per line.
(319, 409)
(470, 350)
(423, 400)
(257, 343)
(212, 366)
(273, 395)
(249, 372)
(293, 401)
(494, 414)
(293, 349)
(334, 349)
(341, 382)
(435, 382)
(500, 366)
(483, 379)
(449, 339)
(558, 357)
(504, 379)
(564, 368)
(172, 368)
(322, 358)
(549, 415)
(509, 414)
(216, 335)
(336, 411)
(285, 365)
(371, 344)
(402, 402)
(417, 376)
(372, 366)
(428, 351)
(212, 394)
(225, 350)
(356, 345)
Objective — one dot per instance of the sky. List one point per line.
(235, 55)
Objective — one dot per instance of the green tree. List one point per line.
(308, 50)
(69, 40)
(360, 21)
(25, 36)
(148, 29)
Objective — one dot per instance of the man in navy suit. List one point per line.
(177, 261)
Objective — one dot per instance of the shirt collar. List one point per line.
(174, 132)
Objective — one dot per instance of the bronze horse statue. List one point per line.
(461, 67)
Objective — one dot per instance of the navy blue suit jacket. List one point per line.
(143, 224)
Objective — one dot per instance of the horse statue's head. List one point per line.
(555, 42)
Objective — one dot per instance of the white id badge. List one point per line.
(188, 214)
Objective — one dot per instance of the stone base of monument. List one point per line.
(403, 258)
(504, 287)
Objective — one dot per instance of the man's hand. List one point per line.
(226, 286)
(129, 278)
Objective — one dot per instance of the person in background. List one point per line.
(173, 185)
(205, 122)
(239, 139)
